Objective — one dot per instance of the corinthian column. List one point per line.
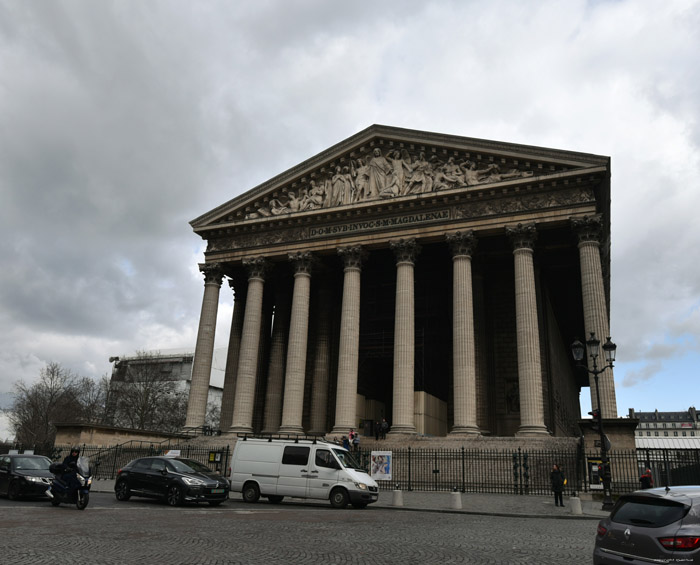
(250, 341)
(293, 407)
(234, 344)
(528, 334)
(322, 359)
(348, 355)
(595, 311)
(405, 251)
(463, 350)
(204, 350)
(278, 355)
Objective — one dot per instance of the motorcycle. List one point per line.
(61, 491)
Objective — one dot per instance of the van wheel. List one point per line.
(339, 498)
(275, 498)
(251, 492)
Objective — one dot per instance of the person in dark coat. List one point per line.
(71, 465)
(646, 479)
(558, 481)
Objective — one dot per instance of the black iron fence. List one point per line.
(525, 472)
(520, 472)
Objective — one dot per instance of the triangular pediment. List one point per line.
(383, 163)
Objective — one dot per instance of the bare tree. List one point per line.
(55, 397)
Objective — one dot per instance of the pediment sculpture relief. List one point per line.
(380, 176)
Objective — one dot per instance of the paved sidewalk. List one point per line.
(486, 504)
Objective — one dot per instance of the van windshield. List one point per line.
(347, 460)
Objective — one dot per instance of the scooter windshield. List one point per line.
(83, 466)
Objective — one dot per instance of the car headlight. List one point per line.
(34, 479)
(192, 482)
(361, 486)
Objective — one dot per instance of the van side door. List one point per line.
(323, 474)
(294, 471)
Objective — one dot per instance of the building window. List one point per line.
(683, 434)
(675, 434)
(665, 434)
(656, 434)
(648, 433)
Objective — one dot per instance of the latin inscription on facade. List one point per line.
(382, 223)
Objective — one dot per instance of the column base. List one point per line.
(532, 431)
(399, 430)
(465, 431)
(339, 430)
(294, 430)
(240, 430)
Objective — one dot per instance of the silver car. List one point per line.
(660, 525)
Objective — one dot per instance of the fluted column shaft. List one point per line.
(204, 349)
(278, 355)
(293, 406)
(234, 344)
(527, 331)
(463, 349)
(250, 341)
(595, 312)
(404, 338)
(348, 355)
(322, 359)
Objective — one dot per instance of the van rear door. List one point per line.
(323, 474)
(294, 471)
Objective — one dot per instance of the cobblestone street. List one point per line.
(143, 531)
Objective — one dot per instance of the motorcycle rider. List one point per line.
(71, 465)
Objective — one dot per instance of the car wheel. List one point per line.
(13, 490)
(122, 491)
(339, 498)
(251, 492)
(174, 496)
(215, 502)
(359, 505)
(275, 498)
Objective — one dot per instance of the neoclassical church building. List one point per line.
(433, 280)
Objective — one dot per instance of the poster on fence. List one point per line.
(380, 465)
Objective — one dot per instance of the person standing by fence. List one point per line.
(558, 481)
(646, 480)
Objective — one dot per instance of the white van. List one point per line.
(299, 468)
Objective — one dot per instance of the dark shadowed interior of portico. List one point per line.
(498, 412)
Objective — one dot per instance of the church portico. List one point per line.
(431, 280)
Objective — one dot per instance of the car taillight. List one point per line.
(602, 530)
(119, 472)
(681, 543)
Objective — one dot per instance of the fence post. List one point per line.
(515, 472)
(464, 486)
(410, 486)
(526, 474)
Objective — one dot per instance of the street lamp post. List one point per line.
(609, 348)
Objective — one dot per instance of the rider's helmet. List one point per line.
(75, 450)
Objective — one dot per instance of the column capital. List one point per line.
(522, 235)
(462, 243)
(405, 250)
(352, 256)
(257, 267)
(303, 262)
(238, 285)
(213, 273)
(588, 228)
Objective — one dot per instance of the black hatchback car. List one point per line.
(651, 526)
(24, 475)
(172, 479)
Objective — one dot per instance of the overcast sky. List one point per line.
(122, 121)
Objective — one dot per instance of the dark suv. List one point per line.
(651, 526)
(172, 479)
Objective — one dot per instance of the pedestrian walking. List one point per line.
(558, 481)
(377, 430)
(346, 443)
(646, 480)
(356, 442)
(385, 428)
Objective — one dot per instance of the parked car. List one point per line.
(172, 479)
(651, 526)
(24, 475)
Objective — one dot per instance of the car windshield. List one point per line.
(32, 463)
(347, 460)
(648, 512)
(189, 466)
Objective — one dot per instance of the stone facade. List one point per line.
(433, 280)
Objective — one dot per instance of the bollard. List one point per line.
(398, 498)
(456, 500)
(575, 505)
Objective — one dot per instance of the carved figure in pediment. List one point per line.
(448, 175)
(313, 197)
(342, 187)
(292, 204)
(421, 179)
(379, 173)
(400, 162)
(495, 174)
(361, 174)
